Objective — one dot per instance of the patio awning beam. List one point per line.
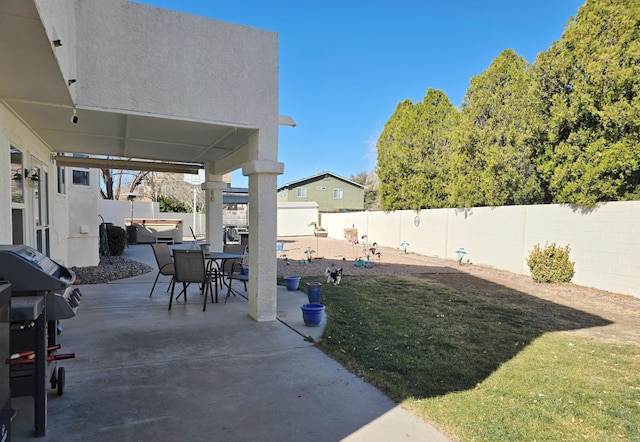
(112, 163)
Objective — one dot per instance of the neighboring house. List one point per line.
(332, 192)
(139, 88)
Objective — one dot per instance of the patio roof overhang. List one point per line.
(34, 89)
(124, 164)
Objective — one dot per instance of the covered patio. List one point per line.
(115, 80)
(145, 373)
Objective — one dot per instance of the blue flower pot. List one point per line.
(312, 314)
(292, 282)
(314, 292)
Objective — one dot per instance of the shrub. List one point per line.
(550, 264)
(170, 204)
(350, 234)
(116, 239)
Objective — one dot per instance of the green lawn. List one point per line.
(484, 362)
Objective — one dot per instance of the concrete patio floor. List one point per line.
(144, 373)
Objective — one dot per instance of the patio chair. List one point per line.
(165, 264)
(236, 274)
(190, 267)
(230, 264)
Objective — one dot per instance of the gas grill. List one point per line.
(42, 294)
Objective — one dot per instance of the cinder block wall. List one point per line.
(605, 241)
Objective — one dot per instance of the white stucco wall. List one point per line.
(14, 133)
(133, 59)
(66, 212)
(185, 66)
(59, 20)
(604, 242)
(6, 129)
(83, 247)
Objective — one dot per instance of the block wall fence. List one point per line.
(604, 241)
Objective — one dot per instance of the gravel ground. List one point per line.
(333, 253)
(329, 253)
(104, 272)
(291, 261)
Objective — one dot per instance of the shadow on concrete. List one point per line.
(144, 373)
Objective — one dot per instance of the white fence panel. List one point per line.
(604, 241)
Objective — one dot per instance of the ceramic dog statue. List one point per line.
(333, 275)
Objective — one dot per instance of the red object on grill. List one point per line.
(23, 361)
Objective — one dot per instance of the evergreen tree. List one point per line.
(438, 120)
(413, 154)
(493, 163)
(589, 84)
(394, 163)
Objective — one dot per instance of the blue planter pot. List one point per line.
(292, 282)
(314, 292)
(312, 314)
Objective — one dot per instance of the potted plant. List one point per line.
(318, 231)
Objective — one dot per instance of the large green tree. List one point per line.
(435, 144)
(413, 154)
(394, 167)
(493, 163)
(589, 85)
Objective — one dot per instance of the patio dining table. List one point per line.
(215, 263)
(218, 259)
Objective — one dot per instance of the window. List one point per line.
(337, 194)
(62, 188)
(17, 176)
(302, 192)
(81, 177)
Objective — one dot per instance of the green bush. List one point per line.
(117, 240)
(170, 204)
(550, 264)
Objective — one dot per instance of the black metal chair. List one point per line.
(229, 264)
(165, 264)
(236, 274)
(190, 267)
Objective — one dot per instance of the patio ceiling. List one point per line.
(33, 88)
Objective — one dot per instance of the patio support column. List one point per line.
(213, 210)
(262, 237)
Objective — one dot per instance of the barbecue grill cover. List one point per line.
(31, 271)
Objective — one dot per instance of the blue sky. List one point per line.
(345, 65)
